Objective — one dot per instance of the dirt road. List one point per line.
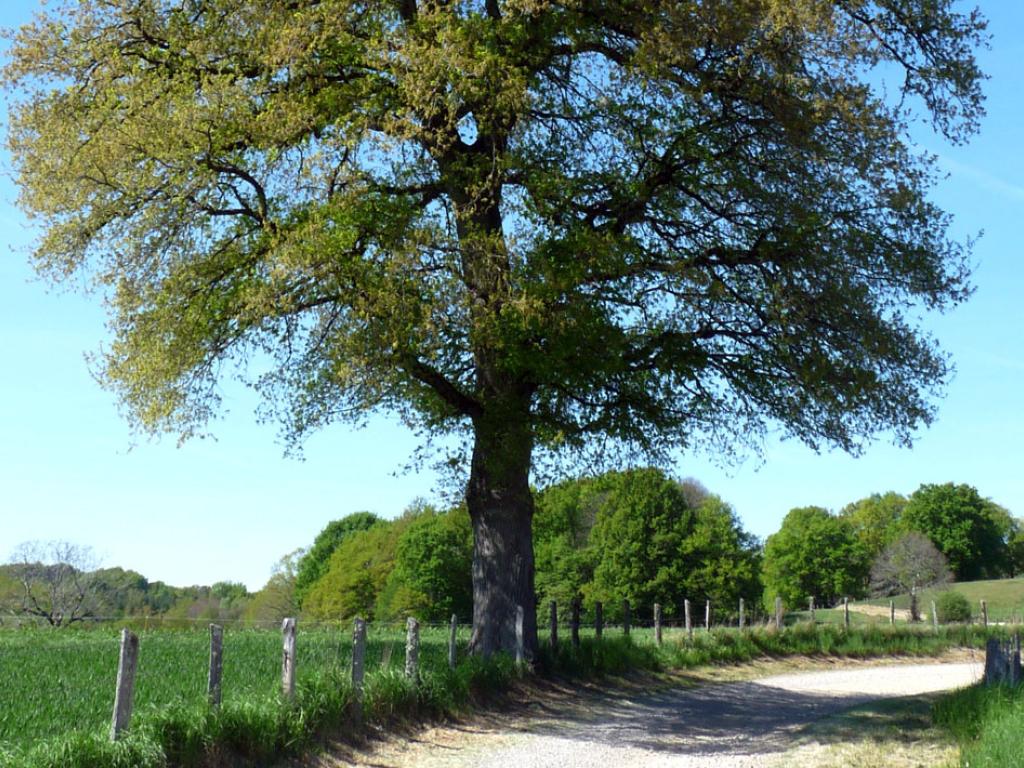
(728, 725)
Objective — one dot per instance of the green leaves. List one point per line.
(660, 223)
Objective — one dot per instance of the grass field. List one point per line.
(56, 688)
(1005, 598)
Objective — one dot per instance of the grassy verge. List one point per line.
(987, 721)
(256, 726)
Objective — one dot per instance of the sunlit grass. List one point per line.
(57, 688)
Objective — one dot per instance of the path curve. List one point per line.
(729, 725)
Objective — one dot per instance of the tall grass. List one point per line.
(56, 689)
(987, 721)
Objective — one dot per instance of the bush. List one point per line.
(952, 607)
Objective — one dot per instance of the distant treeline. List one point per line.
(639, 535)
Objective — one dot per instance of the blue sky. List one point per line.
(229, 508)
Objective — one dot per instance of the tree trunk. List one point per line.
(501, 507)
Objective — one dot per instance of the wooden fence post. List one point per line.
(126, 666)
(657, 623)
(574, 622)
(288, 659)
(598, 619)
(935, 617)
(412, 648)
(358, 667)
(625, 617)
(213, 688)
(984, 613)
(707, 616)
(741, 613)
(778, 612)
(520, 637)
(846, 613)
(892, 613)
(453, 634)
(810, 605)
(358, 655)
(553, 626)
(689, 622)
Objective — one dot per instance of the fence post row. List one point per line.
(846, 613)
(657, 623)
(625, 617)
(126, 666)
(553, 624)
(213, 687)
(741, 613)
(984, 613)
(778, 612)
(707, 616)
(892, 612)
(935, 617)
(810, 605)
(689, 622)
(598, 619)
(574, 622)
(412, 648)
(288, 659)
(453, 635)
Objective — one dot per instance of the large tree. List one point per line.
(814, 554)
(538, 224)
(970, 530)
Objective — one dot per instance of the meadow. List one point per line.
(56, 688)
(1004, 598)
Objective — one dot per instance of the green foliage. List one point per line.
(601, 227)
(356, 573)
(964, 526)
(649, 546)
(876, 520)
(276, 600)
(563, 519)
(987, 722)
(313, 564)
(432, 577)
(355, 216)
(952, 607)
(814, 554)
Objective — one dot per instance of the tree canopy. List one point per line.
(814, 554)
(966, 527)
(542, 225)
(313, 563)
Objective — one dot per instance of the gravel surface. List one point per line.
(725, 725)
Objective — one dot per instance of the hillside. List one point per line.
(1005, 598)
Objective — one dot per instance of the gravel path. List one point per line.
(729, 725)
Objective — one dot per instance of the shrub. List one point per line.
(952, 607)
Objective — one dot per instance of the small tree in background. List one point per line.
(54, 581)
(909, 564)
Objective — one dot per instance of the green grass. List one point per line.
(988, 722)
(56, 688)
(1004, 597)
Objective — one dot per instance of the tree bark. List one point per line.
(501, 508)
